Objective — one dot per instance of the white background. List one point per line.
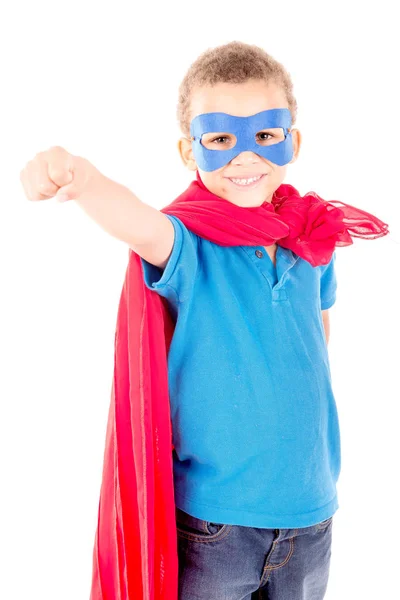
(101, 79)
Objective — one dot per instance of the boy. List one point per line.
(254, 422)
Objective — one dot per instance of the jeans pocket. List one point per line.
(198, 529)
(324, 524)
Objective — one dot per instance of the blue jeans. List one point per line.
(233, 562)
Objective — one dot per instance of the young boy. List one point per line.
(257, 448)
(254, 422)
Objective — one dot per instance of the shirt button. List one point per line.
(259, 253)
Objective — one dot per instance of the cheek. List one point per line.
(280, 171)
(214, 182)
(224, 183)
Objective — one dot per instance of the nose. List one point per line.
(246, 158)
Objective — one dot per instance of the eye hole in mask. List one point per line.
(227, 141)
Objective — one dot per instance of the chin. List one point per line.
(246, 202)
(251, 199)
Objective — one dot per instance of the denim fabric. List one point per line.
(234, 562)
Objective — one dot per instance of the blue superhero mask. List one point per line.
(245, 130)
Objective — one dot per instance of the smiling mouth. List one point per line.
(246, 183)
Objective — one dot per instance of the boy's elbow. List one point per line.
(325, 320)
(158, 247)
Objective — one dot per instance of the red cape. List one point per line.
(135, 550)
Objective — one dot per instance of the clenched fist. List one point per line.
(58, 173)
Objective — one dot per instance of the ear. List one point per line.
(186, 153)
(297, 139)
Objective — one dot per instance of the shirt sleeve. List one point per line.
(177, 279)
(328, 284)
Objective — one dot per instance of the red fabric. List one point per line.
(135, 550)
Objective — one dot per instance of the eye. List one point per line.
(264, 133)
(222, 137)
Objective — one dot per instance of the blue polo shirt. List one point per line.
(254, 419)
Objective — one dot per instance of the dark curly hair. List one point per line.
(235, 62)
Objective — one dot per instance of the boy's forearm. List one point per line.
(117, 210)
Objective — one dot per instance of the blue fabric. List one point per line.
(254, 419)
(245, 130)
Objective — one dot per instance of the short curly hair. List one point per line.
(235, 62)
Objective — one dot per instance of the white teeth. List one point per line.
(245, 181)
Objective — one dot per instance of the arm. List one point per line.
(56, 172)
(118, 211)
(325, 320)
